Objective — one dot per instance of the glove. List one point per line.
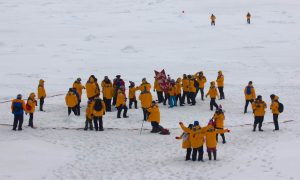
(180, 123)
(176, 137)
(26, 113)
(228, 130)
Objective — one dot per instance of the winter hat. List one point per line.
(259, 97)
(144, 79)
(19, 96)
(220, 72)
(70, 89)
(272, 96)
(196, 123)
(118, 76)
(79, 79)
(250, 82)
(190, 126)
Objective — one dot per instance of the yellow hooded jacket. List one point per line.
(220, 80)
(210, 135)
(78, 86)
(91, 88)
(219, 119)
(156, 86)
(31, 103)
(259, 107)
(275, 106)
(146, 99)
(71, 100)
(121, 101)
(196, 135)
(185, 84)
(154, 114)
(250, 96)
(186, 142)
(107, 90)
(212, 92)
(41, 90)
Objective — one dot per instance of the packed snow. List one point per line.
(62, 40)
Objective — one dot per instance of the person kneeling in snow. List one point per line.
(211, 142)
(186, 143)
(154, 117)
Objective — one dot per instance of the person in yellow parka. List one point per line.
(146, 99)
(89, 116)
(145, 84)
(258, 107)
(186, 143)
(201, 80)
(196, 138)
(172, 94)
(213, 93)
(211, 142)
(220, 83)
(248, 16)
(178, 91)
(250, 95)
(185, 89)
(132, 96)
(158, 90)
(71, 102)
(121, 104)
(219, 118)
(98, 113)
(275, 110)
(213, 20)
(91, 88)
(108, 92)
(154, 117)
(30, 106)
(79, 87)
(17, 109)
(41, 93)
(192, 90)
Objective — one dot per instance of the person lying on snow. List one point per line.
(186, 143)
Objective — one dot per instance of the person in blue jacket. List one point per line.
(17, 108)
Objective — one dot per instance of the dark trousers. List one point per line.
(107, 104)
(18, 121)
(166, 99)
(258, 120)
(30, 120)
(115, 98)
(188, 154)
(145, 113)
(132, 101)
(160, 96)
(98, 123)
(222, 135)
(120, 108)
(42, 100)
(213, 104)
(185, 95)
(200, 153)
(78, 107)
(221, 91)
(202, 93)
(88, 124)
(192, 98)
(74, 109)
(179, 99)
(275, 120)
(155, 126)
(246, 105)
(213, 23)
(214, 154)
(248, 21)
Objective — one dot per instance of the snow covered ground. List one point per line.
(62, 40)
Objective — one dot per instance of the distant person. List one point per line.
(185, 88)
(276, 109)
(213, 20)
(159, 91)
(258, 107)
(248, 16)
(41, 93)
(201, 80)
(186, 143)
(17, 108)
(250, 95)
(132, 96)
(72, 102)
(89, 116)
(146, 99)
(79, 87)
(220, 83)
(121, 104)
(213, 94)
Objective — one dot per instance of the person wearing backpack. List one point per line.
(154, 117)
(17, 108)
(107, 90)
(185, 89)
(98, 112)
(258, 107)
(30, 107)
(186, 143)
(146, 99)
(41, 93)
(275, 108)
(220, 83)
(72, 102)
(213, 93)
(121, 104)
(250, 95)
(132, 96)
(92, 89)
(89, 115)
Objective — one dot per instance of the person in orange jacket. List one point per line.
(250, 95)
(30, 106)
(178, 91)
(192, 90)
(201, 80)
(92, 88)
(219, 118)
(79, 87)
(72, 102)
(213, 20)
(89, 115)
(146, 99)
(145, 84)
(132, 96)
(258, 107)
(158, 90)
(186, 143)
(121, 104)
(211, 142)
(213, 93)
(154, 117)
(275, 110)
(220, 83)
(17, 108)
(172, 94)
(248, 16)
(108, 92)
(98, 113)
(185, 88)
(41, 93)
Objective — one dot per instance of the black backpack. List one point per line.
(196, 83)
(281, 107)
(98, 105)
